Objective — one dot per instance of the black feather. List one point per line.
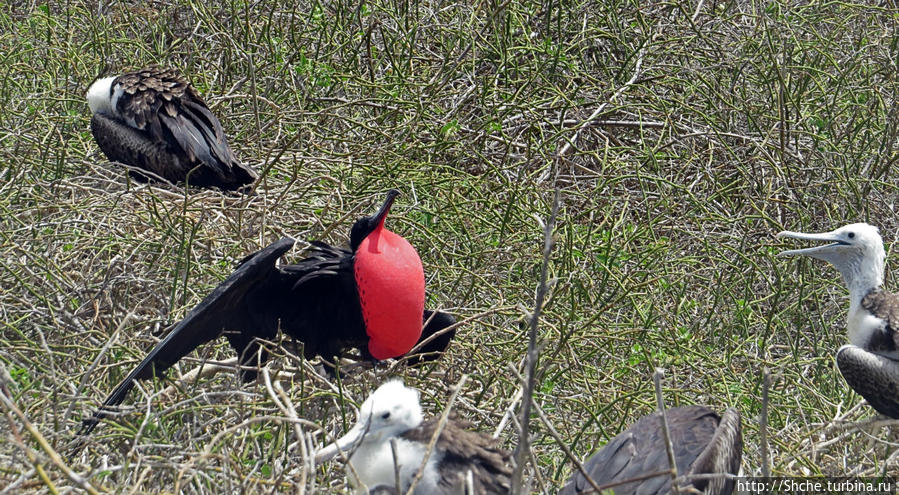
(162, 126)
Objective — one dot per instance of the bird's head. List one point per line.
(856, 250)
(100, 95)
(391, 284)
(389, 411)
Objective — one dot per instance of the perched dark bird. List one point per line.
(393, 412)
(370, 296)
(869, 363)
(154, 121)
(703, 441)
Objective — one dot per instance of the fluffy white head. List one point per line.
(100, 97)
(391, 410)
(856, 250)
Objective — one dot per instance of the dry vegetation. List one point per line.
(682, 137)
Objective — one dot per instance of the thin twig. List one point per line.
(560, 442)
(32, 458)
(196, 461)
(13, 409)
(454, 326)
(638, 70)
(657, 381)
(531, 361)
(287, 407)
(96, 362)
(396, 466)
(510, 410)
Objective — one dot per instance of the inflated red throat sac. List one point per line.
(391, 284)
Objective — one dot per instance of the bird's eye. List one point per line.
(852, 235)
(385, 415)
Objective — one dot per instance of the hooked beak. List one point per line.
(346, 443)
(814, 252)
(385, 208)
(363, 227)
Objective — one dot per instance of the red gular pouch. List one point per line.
(391, 284)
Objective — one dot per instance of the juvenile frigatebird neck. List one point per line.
(855, 250)
(861, 274)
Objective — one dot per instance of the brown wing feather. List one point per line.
(885, 306)
(467, 450)
(212, 128)
(172, 113)
(723, 454)
(145, 91)
(700, 447)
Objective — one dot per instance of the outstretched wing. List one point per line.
(223, 309)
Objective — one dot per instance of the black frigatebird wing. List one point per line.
(223, 309)
(370, 297)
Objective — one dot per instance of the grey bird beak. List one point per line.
(345, 443)
(830, 237)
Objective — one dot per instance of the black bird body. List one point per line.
(703, 441)
(315, 301)
(154, 121)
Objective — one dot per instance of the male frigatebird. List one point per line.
(870, 363)
(460, 457)
(154, 121)
(704, 444)
(370, 296)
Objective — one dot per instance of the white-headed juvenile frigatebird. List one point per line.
(370, 296)
(870, 362)
(155, 121)
(393, 412)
